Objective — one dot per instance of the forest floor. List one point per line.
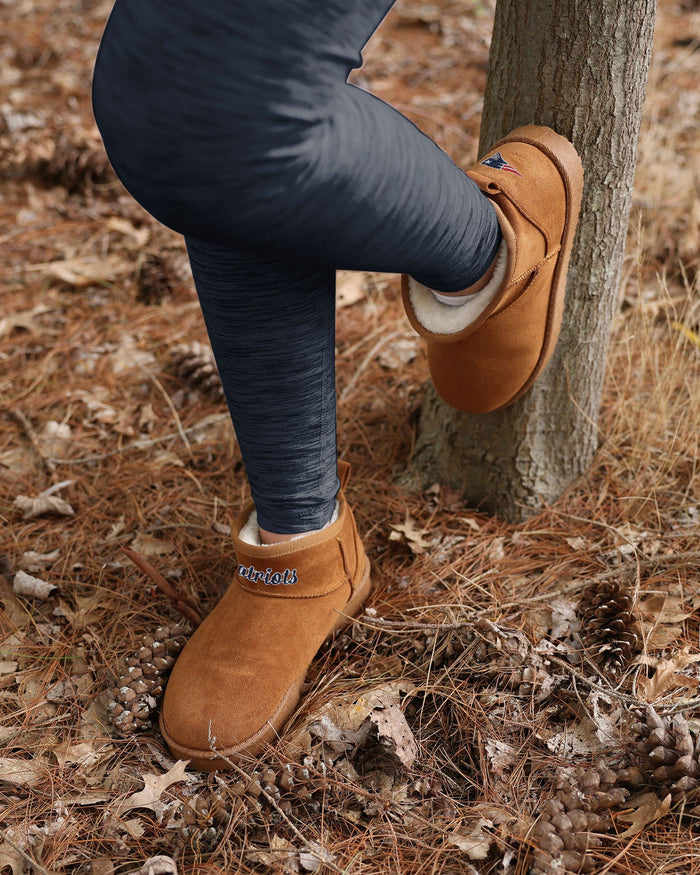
(516, 698)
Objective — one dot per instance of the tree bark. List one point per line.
(580, 68)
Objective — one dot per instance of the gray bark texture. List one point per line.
(580, 68)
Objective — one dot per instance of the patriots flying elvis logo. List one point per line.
(498, 162)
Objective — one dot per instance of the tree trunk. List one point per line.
(580, 68)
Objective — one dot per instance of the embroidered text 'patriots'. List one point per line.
(286, 577)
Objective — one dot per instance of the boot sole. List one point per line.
(206, 761)
(562, 153)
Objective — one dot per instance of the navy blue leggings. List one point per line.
(231, 121)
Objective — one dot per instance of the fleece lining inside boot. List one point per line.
(249, 533)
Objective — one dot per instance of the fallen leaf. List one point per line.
(42, 504)
(575, 740)
(411, 534)
(153, 787)
(10, 858)
(61, 691)
(314, 857)
(349, 287)
(147, 545)
(147, 417)
(496, 550)
(399, 353)
(128, 357)
(606, 717)
(98, 408)
(668, 676)
(54, 438)
(564, 617)
(80, 272)
(471, 523)
(393, 731)
(281, 853)
(663, 608)
(82, 753)
(160, 865)
(337, 738)
(476, 844)
(24, 319)
(8, 666)
(87, 797)
(22, 773)
(502, 756)
(577, 543)
(139, 236)
(384, 695)
(133, 827)
(648, 808)
(27, 585)
(33, 561)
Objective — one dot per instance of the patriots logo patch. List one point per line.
(498, 162)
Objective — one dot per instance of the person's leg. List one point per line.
(238, 127)
(272, 329)
(266, 150)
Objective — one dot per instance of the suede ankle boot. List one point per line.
(239, 677)
(486, 353)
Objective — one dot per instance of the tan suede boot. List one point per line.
(238, 679)
(488, 352)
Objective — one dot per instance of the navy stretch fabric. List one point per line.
(231, 121)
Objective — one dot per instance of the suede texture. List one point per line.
(492, 361)
(238, 679)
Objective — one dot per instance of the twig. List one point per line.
(25, 856)
(180, 601)
(33, 438)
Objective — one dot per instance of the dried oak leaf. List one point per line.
(11, 858)
(646, 808)
(42, 504)
(411, 534)
(394, 732)
(350, 287)
(476, 844)
(23, 319)
(154, 786)
(33, 587)
(22, 773)
(160, 865)
(668, 675)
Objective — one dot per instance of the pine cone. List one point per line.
(669, 754)
(497, 658)
(609, 631)
(142, 680)
(244, 800)
(573, 819)
(205, 815)
(194, 362)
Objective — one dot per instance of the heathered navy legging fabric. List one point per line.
(232, 122)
